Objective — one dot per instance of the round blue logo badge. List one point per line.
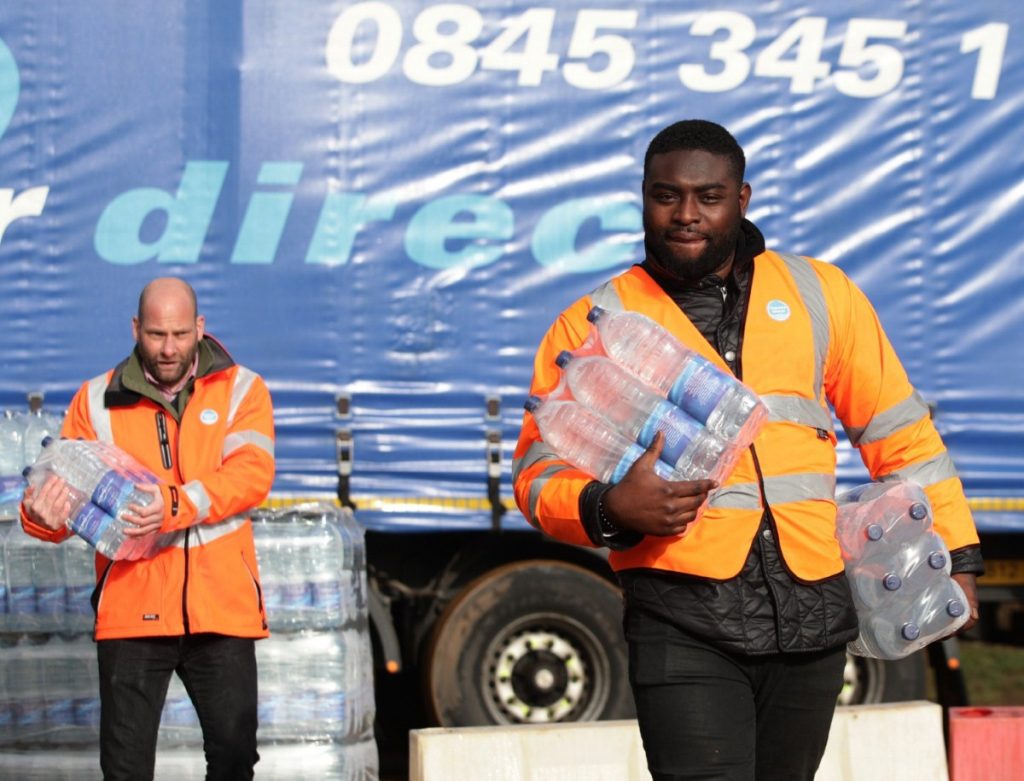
(778, 310)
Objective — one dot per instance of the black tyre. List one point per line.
(529, 642)
(867, 681)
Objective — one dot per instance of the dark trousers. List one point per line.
(708, 714)
(219, 674)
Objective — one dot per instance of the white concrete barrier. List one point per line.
(896, 742)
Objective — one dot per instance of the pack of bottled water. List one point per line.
(898, 568)
(632, 379)
(100, 481)
(315, 671)
(21, 437)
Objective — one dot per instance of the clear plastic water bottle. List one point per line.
(12, 449)
(588, 441)
(726, 406)
(4, 607)
(49, 586)
(80, 580)
(19, 553)
(38, 427)
(608, 389)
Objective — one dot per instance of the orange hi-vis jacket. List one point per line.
(215, 465)
(810, 338)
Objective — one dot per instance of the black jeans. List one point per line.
(709, 714)
(219, 674)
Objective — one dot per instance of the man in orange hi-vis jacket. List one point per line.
(737, 629)
(204, 426)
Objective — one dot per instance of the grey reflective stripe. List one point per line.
(99, 415)
(778, 490)
(799, 488)
(798, 410)
(607, 297)
(203, 534)
(238, 439)
(538, 451)
(244, 379)
(538, 485)
(925, 473)
(813, 297)
(741, 496)
(196, 492)
(897, 417)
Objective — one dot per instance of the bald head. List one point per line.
(164, 290)
(167, 330)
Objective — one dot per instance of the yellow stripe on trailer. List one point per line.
(474, 503)
(996, 503)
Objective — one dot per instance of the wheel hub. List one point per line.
(538, 676)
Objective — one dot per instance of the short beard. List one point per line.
(711, 260)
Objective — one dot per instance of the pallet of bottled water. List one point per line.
(316, 704)
(21, 438)
(898, 568)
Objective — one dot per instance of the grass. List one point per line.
(994, 673)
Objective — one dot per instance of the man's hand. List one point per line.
(969, 583)
(645, 503)
(51, 505)
(148, 518)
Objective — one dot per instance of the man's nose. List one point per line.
(686, 212)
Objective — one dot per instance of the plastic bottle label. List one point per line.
(699, 388)
(91, 523)
(111, 491)
(678, 427)
(628, 459)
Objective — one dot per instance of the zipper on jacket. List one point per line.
(167, 459)
(165, 442)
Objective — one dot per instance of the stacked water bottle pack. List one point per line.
(44, 588)
(100, 482)
(21, 436)
(898, 568)
(48, 691)
(316, 705)
(632, 379)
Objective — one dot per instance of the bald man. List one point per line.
(204, 426)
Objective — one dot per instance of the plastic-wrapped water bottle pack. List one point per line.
(899, 570)
(632, 379)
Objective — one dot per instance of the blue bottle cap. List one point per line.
(937, 560)
(918, 511)
(891, 581)
(875, 531)
(25, 472)
(532, 403)
(47, 440)
(563, 358)
(910, 631)
(955, 608)
(595, 314)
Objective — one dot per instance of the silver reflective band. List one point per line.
(607, 297)
(538, 451)
(793, 409)
(99, 415)
(538, 485)
(778, 490)
(813, 297)
(244, 379)
(239, 439)
(203, 534)
(897, 417)
(925, 473)
(196, 492)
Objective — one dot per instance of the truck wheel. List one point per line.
(529, 642)
(868, 681)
